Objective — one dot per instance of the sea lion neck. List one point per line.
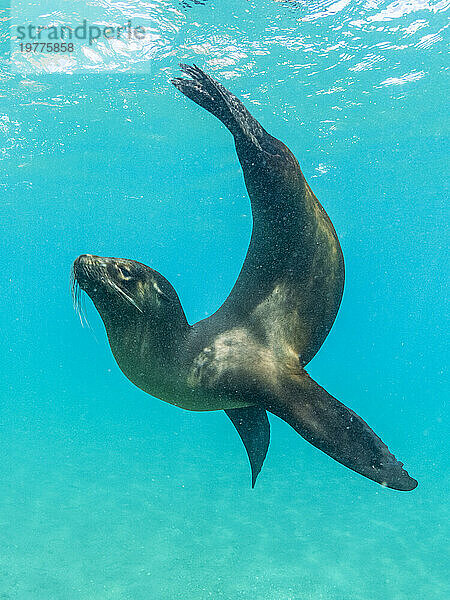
(145, 333)
(142, 339)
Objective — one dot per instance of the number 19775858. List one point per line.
(46, 47)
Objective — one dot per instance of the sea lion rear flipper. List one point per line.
(338, 431)
(253, 427)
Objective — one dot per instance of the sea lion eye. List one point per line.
(125, 272)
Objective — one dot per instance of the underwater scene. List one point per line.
(173, 299)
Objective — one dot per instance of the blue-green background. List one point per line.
(110, 494)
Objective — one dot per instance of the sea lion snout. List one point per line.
(87, 268)
(85, 260)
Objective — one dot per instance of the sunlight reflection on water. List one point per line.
(304, 38)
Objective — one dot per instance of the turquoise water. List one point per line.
(110, 494)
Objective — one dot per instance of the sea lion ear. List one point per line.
(165, 296)
(159, 291)
(165, 291)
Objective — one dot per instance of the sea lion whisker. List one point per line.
(79, 306)
(78, 301)
(82, 308)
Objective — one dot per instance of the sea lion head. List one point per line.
(124, 290)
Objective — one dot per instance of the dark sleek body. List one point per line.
(249, 356)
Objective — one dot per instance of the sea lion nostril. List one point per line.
(84, 259)
(78, 264)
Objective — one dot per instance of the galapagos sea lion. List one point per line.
(248, 357)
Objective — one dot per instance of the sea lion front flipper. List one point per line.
(253, 428)
(338, 431)
(294, 260)
(216, 99)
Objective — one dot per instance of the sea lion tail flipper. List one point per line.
(215, 98)
(253, 427)
(338, 431)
